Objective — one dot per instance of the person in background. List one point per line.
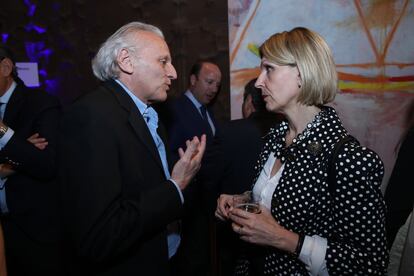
(28, 163)
(118, 193)
(187, 116)
(228, 165)
(190, 114)
(225, 164)
(304, 227)
(400, 204)
(400, 189)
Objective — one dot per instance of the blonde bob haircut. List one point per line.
(309, 52)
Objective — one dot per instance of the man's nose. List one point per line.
(214, 87)
(171, 73)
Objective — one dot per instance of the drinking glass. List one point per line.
(247, 202)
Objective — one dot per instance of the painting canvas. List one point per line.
(373, 47)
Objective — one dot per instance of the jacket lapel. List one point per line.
(14, 105)
(135, 119)
(202, 124)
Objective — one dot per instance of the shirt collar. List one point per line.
(193, 99)
(142, 107)
(6, 96)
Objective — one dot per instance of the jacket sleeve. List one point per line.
(24, 157)
(359, 244)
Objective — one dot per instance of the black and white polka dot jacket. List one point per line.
(352, 219)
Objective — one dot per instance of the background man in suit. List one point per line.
(190, 115)
(118, 193)
(187, 116)
(228, 165)
(28, 193)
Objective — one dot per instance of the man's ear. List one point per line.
(125, 61)
(248, 107)
(249, 102)
(193, 79)
(6, 67)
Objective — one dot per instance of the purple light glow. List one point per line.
(33, 49)
(39, 29)
(43, 72)
(29, 27)
(4, 37)
(36, 51)
(52, 86)
(31, 8)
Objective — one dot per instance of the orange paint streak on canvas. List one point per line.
(374, 65)
(378, 79)
(386, 13)
(393, 30)
(242, 76)
(365, 25)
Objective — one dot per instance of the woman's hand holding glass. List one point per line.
(245, 201)
(262, 229)
(258, 227)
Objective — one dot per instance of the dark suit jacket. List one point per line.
(184, 121)
(117, 201)
(228, 165)
(31, 192)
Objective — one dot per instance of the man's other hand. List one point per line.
(38, 141)
(190, 161)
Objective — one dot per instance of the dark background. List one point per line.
(63, 37)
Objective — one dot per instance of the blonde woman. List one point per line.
(304, 227)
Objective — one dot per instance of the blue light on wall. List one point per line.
(4, 37)
(37, 51)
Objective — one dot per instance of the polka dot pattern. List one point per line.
(352, 219)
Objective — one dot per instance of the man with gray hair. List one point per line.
(119, 194)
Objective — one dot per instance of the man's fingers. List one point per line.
(203, 142)
(200, 148)
(192, 148)
(34, 136)
(42, 146)
(181, 152)
(37, 140)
